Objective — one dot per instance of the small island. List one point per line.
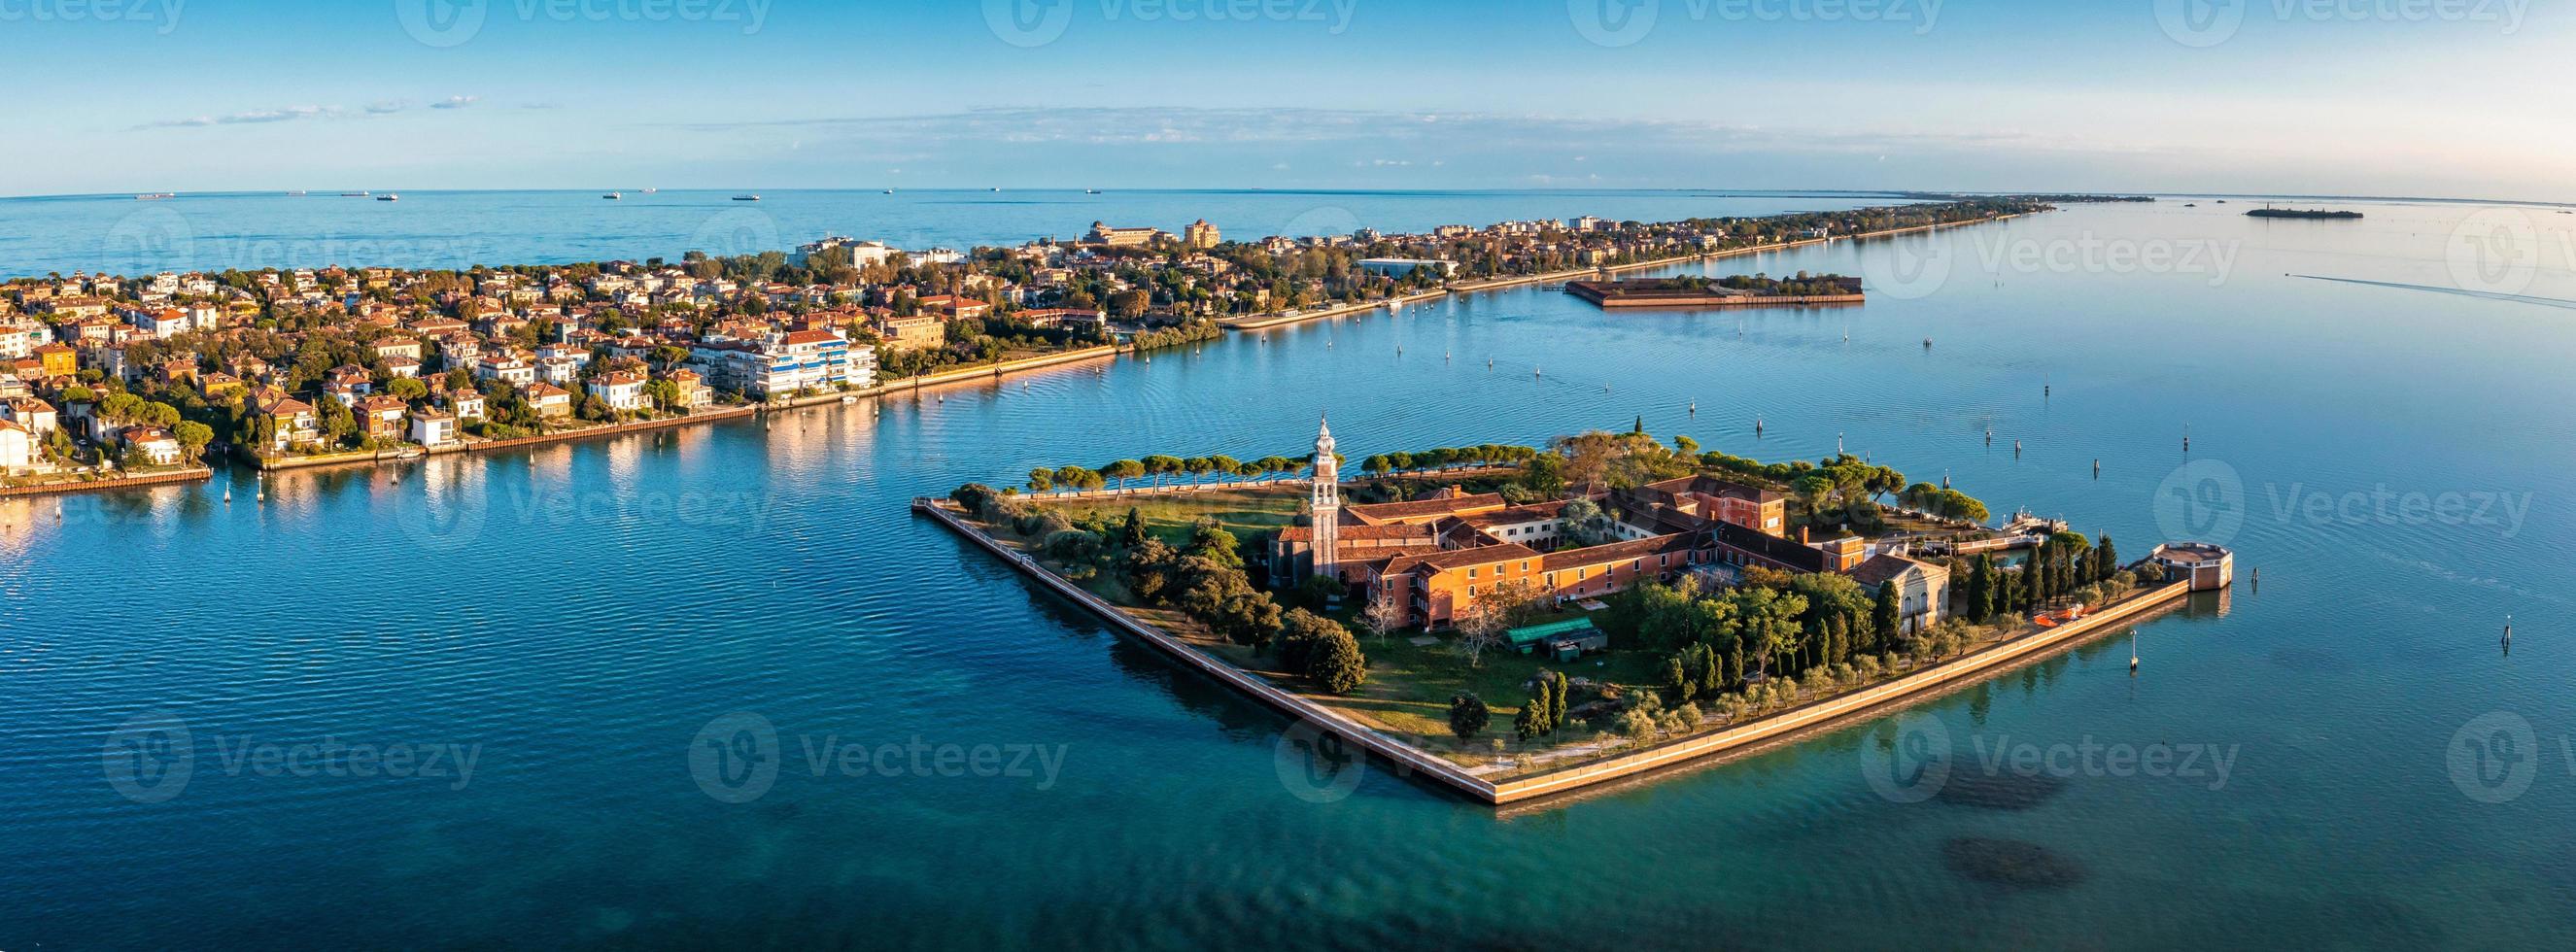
(1518, 622)
(2268, 212)
(1755, 290)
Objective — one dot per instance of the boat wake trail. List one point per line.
(2438, 289)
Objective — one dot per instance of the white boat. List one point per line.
(746, 198)
(612, 195)
(388, 197)
(650, 191)
(889, 191)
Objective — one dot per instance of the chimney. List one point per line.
(1802, 535)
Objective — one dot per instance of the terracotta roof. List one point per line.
(1615, 552)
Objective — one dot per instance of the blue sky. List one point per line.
(2452, 98)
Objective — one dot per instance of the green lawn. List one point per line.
(1246, 512)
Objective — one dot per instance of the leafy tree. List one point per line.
(1336, 663)
(193, 437)
(1131, 533)
(1468, 716)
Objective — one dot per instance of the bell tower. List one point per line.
(1326, 502)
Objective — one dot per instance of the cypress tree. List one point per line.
(1525, 725)
(1885, 615)
(2109, 559)
(1132, 534)
(1981, 590)
(1677, 676)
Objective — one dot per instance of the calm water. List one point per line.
(248, 231)
(581, 612)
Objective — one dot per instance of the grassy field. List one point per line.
(1246, 512)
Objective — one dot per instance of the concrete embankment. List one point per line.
(190, 475)
(1927, 681)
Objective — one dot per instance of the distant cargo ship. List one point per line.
(746, 198)
(388, 197)
(612, 195)
(2300, 213)
(155, 195)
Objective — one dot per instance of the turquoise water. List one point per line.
(578, 614)
(253, 230)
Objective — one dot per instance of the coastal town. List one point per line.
(1635, 603)
(110, 379)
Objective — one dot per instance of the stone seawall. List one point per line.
(1414, 760)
